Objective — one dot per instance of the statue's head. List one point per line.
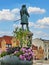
(23, 6)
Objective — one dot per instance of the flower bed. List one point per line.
(23, 56)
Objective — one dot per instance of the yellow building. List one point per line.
(8, 41)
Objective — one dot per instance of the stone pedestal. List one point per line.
(28, 39)
(29, 36)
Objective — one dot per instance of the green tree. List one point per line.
(21, 35)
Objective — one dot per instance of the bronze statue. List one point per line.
(24, 17)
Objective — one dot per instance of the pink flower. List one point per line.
(32, 53)
(28, 58)
(16, 52)
(23, 49)
(0, 51)
(22, 57)
(26, 54)
(29, 50)
(26, 51)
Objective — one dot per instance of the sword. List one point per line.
(17, 20)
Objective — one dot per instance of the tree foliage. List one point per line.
(21, 35)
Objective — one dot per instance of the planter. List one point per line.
(14, 60)
(25, 63)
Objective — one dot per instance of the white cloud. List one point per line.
(41, 23)
(44, 21)
(7, 14)
(40, 26)
(40, 34)
(16, 10)
(36, 10)
(5, 33)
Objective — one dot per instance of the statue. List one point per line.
(24, 17)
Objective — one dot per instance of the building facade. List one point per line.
(46, 48)
(44, 44)
(7, 42)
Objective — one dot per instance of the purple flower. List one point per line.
(29, 50)
(22, 57)
(23, 49)
(16, 52)
(26, 51)
(28, 58)
(32, 53)
(0, 51)
(26, 54)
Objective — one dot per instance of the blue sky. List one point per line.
(38, 20)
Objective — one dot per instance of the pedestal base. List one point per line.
(29, 35)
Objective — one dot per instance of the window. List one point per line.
(48, 45)
(45, 48)
(48, 50)
(48, 56)
(45, 45)
(8, 45)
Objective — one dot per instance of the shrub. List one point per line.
(3, 54)
(12, 50)
(18, 53)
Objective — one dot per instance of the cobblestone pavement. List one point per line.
(40, 62)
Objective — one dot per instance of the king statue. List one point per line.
(24, 17)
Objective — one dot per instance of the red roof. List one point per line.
(7, 39)
(0, 41)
